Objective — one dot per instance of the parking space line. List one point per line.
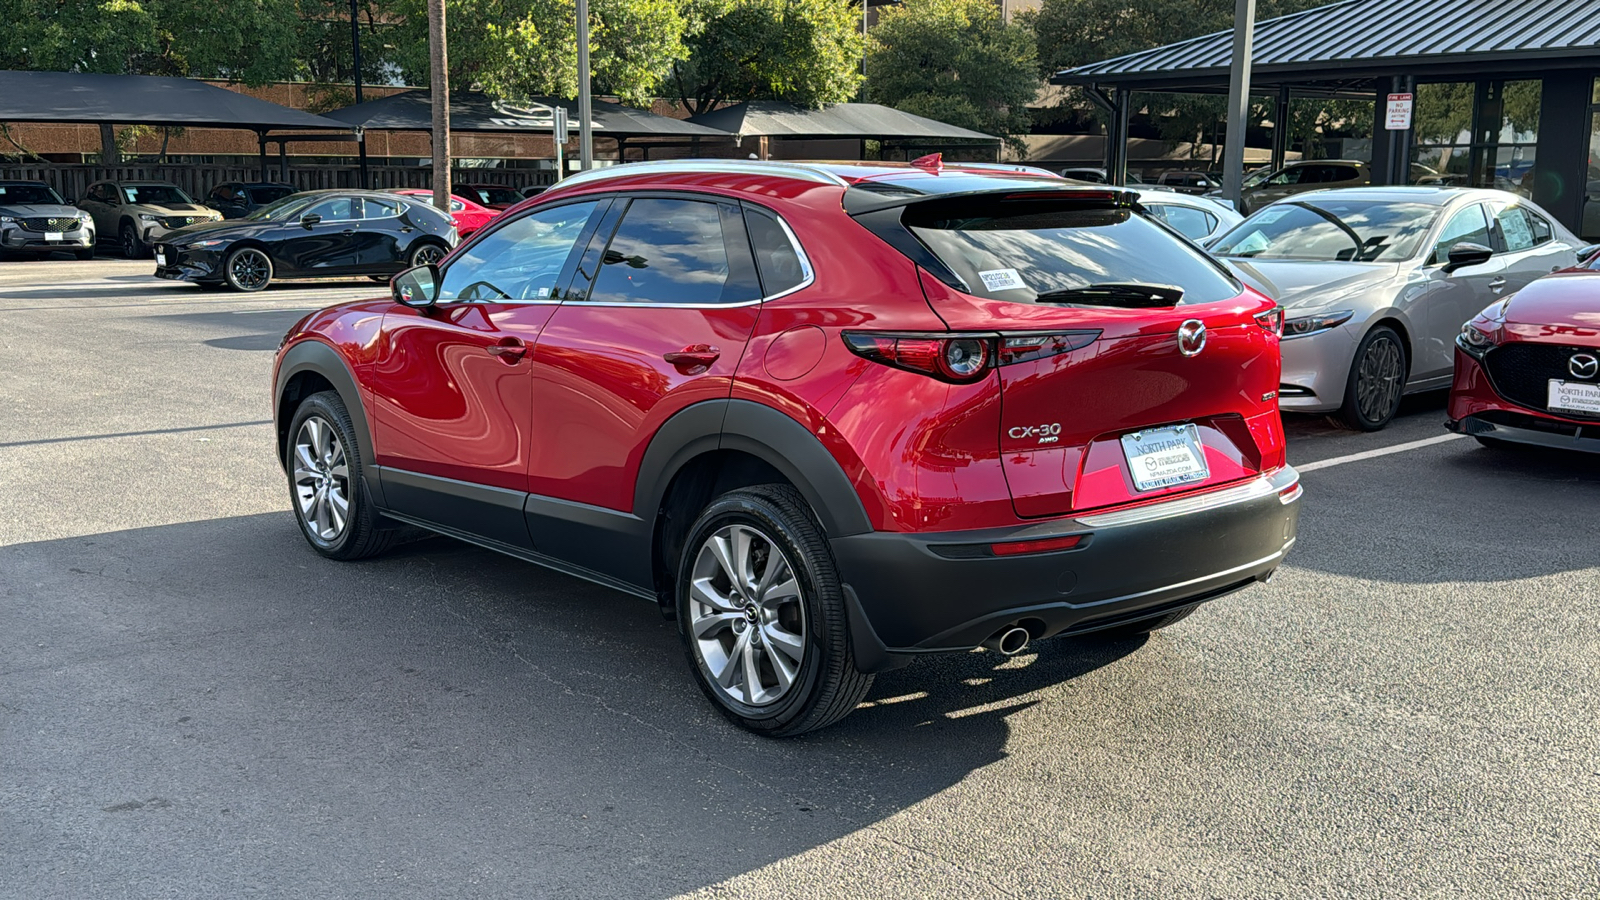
(1373, 454)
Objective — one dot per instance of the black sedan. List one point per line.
(316, 234)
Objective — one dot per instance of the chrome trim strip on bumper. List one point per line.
(1262, 486)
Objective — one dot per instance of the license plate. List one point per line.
(52, 235)
(1574, 396)
(1165, 457)
(161, 258)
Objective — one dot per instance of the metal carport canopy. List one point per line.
(80, 98)
(1357, 40)
(866, 121)
(475, 112)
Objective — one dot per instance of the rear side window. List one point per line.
(379, 209)
(1042, 250)
(1342, 173)
(777, 258)
(674, 252)
(1192, 223)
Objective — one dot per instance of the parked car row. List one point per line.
(134, 216)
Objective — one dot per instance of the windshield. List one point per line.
(154, 194)
(269, 194)
(282, 209)
(22, 194)
(1063, 251)
(1331, 229)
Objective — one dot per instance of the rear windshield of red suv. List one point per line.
(1021, 253)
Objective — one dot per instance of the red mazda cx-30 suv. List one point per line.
(1528, 367)
(830, 417)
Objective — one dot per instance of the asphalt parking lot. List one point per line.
(194, 704)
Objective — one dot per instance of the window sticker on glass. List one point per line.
(1268, 216)
(1001, 279)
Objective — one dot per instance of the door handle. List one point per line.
(1497, 285)
(509, 351)
(406, 229)
(692, 358)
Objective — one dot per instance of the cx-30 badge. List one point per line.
(1191, 337)
(1584, 365)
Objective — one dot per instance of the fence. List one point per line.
(197, 180)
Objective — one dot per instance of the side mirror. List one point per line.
(1584, 253)
(309, 219)
(416, 287)
(1467, 254)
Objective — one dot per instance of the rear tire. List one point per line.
(426, 253)
(1137, 629)
(759, 597)
(84, 255)
(326, 490)
(1376, 382)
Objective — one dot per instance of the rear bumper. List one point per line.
(936, 592)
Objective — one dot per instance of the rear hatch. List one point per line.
(1131, 366)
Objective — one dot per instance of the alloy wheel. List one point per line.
(321, 479)
(249, 269)
(747, 616)
(1378, 383)
(426, 255)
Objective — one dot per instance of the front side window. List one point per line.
(1331, 229)
(667, 251)
(1465, 227)
(335, 209)
(1065, 251)
(521, 260)
(1288, 176)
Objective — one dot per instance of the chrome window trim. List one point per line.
(1256, 489)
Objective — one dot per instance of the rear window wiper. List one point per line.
(1129, 295)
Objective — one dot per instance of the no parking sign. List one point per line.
(1399, 113)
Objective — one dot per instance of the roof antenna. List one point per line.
(933, 162)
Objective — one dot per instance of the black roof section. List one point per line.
(79, 98)
(1368, 38)
(470, 111)
(775, 118)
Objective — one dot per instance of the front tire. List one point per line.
(247, 269)
(1376, 382)
(132, 246)
(763, 617)
(325, 486)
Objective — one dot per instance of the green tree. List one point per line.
(955, 61)
(807, 52)
(524, 48)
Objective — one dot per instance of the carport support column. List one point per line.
(261, 142)
(1280, 129)
(1244, 30)
(1400, 140)
(1116, 156)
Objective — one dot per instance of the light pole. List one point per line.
(1244, 28)
(585, 111)
(439, 88)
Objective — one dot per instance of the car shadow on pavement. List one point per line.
(244, 329)
(210, 705)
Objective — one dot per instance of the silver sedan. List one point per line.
(1376, 282)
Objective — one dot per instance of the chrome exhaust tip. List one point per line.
(1008, 641)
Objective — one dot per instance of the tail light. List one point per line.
(1271, 320)
(961, 358)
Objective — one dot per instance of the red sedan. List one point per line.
(1528, 368)
(832, 418)
(469, 216)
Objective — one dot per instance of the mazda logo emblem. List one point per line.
(1191, 337)
(1583, 365)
